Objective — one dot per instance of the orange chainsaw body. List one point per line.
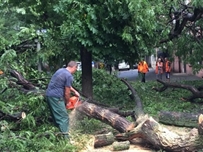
(73, 102)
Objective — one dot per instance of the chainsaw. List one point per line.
(73, 102)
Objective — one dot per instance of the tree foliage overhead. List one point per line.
(112, 29)
(183, 33)
(115, 28)
(108, 28)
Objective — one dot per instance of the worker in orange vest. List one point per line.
(143, 69)
(159, 69)
(167, 69)
(1, 72)
(139, 69)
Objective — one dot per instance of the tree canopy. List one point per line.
(109, 30)
(120, 29)
(182, 34)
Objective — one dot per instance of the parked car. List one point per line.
(123, 66)
(135, 66)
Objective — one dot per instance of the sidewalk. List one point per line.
(174, 76)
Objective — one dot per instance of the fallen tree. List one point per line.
(162, 138)
(179, 119)
(12, 117)
(196, 92)
(144, 127)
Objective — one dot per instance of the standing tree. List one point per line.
(119, 30)
(184, 31)
(107, 29)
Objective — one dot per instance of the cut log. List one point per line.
(12, 117)
(179, 119)
(118, 146)
(116, 121)
(103, 140)
(162, 138)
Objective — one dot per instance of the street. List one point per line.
(132, 74)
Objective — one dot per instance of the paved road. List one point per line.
(132, 75)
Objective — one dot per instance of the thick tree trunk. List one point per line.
(86, 58)
(116, 121)
(162, 138)
(148, 129)
(178, 119)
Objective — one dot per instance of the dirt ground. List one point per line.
(133, 148)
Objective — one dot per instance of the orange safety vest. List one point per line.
(145, 67)
(168, 66)
(1, 72)
(159, 66)
(139, 67)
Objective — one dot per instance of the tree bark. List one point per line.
(23, 85)
(138, 103)
(86, 58)
(178, 119)
(22, 81)
(152, 132)
(181, 18)
(195, 92)
(148, 129)
(118, 146)
(103, 140)
(116, 121)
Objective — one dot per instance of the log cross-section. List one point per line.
(13, 117)
(200, 124)
(103, 140)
